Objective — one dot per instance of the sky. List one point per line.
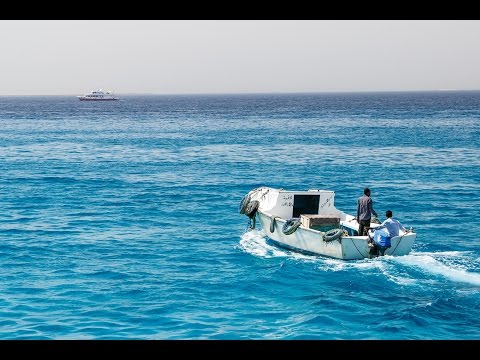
(63, 57)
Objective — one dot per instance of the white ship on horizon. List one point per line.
(98, 95)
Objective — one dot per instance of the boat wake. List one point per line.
(431, 267)
(455, 266)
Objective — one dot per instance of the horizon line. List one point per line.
(262, 93)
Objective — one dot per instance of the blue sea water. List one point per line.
(119, 220)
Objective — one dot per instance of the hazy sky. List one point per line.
(234, 56)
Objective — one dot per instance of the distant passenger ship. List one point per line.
(98, 95)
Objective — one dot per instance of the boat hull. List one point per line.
(311, 241)
(87, 99)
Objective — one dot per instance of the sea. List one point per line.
(120, 220)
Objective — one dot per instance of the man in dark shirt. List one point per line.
(364, 211)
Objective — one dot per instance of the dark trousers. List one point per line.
(381, 250)
(361, 227)
(377, 251)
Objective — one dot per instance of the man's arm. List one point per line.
(382, 226)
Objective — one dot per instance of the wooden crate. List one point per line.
(320, 222)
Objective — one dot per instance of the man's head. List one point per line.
(388, 213)
(366, 191)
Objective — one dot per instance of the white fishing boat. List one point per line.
(98, 95)
(309, 222)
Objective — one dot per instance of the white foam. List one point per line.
(255, 242)
(388, 270)
(442, 253)
(428, 264)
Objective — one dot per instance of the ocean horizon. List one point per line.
(256, 93)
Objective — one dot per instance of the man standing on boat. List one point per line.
(364, 212)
